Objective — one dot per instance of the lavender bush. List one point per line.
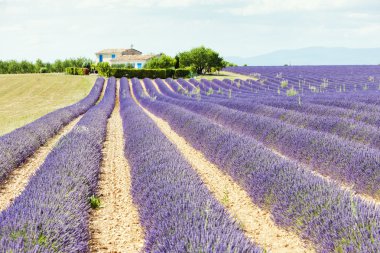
(17, 146)
(319, 210)
(51, 214)
(176, 209)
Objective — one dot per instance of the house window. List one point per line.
(113, 56)
(100, 58)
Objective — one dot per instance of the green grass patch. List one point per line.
(26, 97)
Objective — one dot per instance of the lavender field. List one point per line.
(285, 161)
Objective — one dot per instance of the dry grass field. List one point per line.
(26, 97)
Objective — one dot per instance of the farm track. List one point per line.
(115, 226)
(256, 223)
(19, 178)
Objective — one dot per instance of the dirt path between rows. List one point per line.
(19, 178)
(169, 86)
(115, 226)
(256, 223)
(340, 184)
(367, 198)
(156, 86)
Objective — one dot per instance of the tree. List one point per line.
(15, 67)
(176, 66)
(162, 61)
(229, 64)
(202, 60)
(58, 66)
(38, 65)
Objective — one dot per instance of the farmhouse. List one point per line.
(123, 56)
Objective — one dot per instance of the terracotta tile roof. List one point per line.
(132, 58)
(131, 51)
(111, 51)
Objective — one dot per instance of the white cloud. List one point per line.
(64, 28)
(262, 7)
(11, 28)
(113, 4)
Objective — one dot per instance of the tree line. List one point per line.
(58, 66)
(200, 60)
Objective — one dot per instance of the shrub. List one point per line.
(170, 73)
(94, 202)
(82, 71)
(43, 70)
(284, 83)
(103, 69)
(143, 73)
(77, 71)
(291, 92)
(138, 73)
(69, 71)
(182, 73)
(161, 61)
(118, 65)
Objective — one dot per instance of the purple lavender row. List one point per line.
(353, 76)
(51, 214)
(345, 128)
(353, 105)
(345, 161)
(305, 106)
(176, 209)
(362, 101)
(18, 145)
(318, 109)
(359, 111)
(315, 208)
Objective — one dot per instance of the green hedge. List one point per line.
(104, 69)
(149, 73)
(182, 73)
(77, 71)
(170, 73)
(139, 73)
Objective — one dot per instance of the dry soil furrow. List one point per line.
(102, 93)
(168, 85)
(256, 223)
(115, 226)
(19, 178)
(156, 86)
(344, 187)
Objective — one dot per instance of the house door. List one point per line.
(101, 58)
(139, 65)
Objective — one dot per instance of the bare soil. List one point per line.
(115, 226)
(156, 86)
(255, 222)
(168, 85)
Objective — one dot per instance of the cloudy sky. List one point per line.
(51, 29)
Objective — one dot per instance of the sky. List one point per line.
(59, 29)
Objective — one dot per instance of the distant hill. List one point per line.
(314, 56)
